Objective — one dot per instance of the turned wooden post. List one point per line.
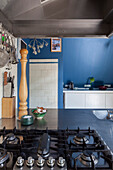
(23, 93)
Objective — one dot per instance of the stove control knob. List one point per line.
(20, 161)
(30, 162)
(61, 162)
(40, 161)
(51, 162)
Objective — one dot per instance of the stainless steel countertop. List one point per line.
(71, 118)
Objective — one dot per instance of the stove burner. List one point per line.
(81, 139)
(87, 158)
(11, 139)
(3, 156)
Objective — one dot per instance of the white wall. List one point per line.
(13, 73)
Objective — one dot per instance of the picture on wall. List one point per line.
(55, 44)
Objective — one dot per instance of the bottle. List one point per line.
(71, 85)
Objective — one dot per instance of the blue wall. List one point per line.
(87, 57)
(80, 58)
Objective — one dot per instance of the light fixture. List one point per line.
(37, 45)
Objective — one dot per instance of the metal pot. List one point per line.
(4, 58)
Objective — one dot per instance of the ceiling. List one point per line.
(64, 18)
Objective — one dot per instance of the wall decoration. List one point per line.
(55, 44)
(36, 45)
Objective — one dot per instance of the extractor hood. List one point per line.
(64, 18)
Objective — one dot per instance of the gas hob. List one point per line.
(53, 150)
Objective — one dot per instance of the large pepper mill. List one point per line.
(23, 92)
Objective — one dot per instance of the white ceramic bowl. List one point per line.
(100, 114)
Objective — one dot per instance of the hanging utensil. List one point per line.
(5, 78)
(4, 58)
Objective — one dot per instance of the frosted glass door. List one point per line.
(44, 85)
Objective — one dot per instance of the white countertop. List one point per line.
(86, 90)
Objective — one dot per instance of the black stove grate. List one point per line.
(61, 145)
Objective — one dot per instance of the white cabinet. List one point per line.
(88, 99)
(109, 101)
(73, 100)
(95, 100)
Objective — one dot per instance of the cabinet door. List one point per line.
(109, 101)
(73, 100)
(95, 100)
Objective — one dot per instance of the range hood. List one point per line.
(62, 18)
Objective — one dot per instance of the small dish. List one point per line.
(27, 120)
(39, 113)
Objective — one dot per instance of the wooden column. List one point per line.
(23, 93)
